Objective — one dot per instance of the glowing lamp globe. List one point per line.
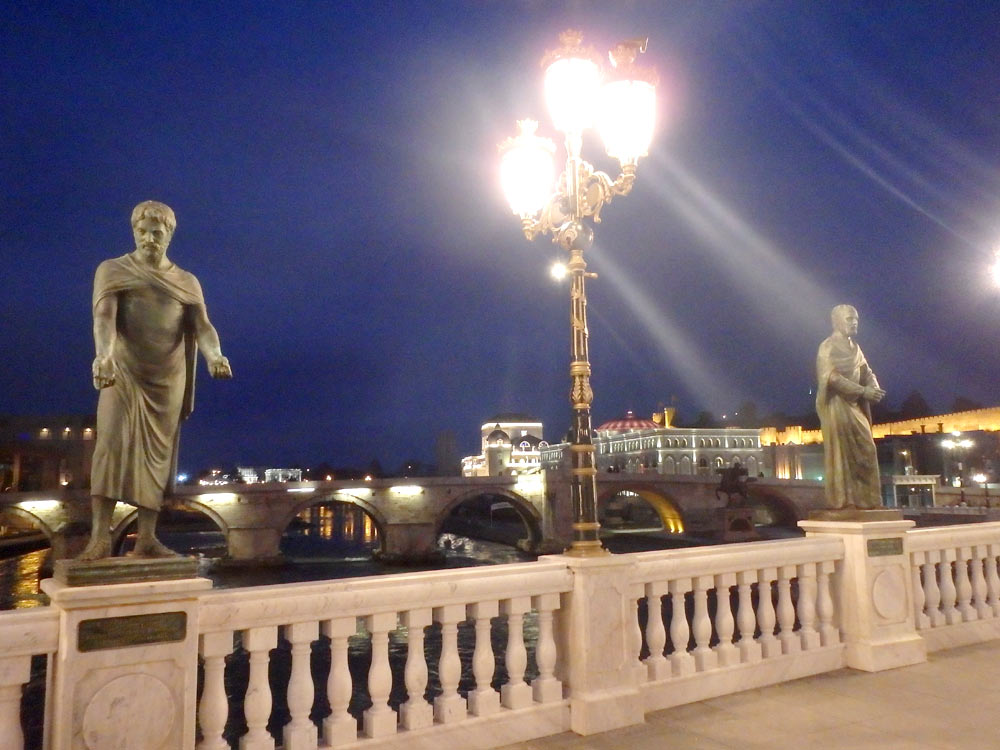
(627, 119)
(527, 170)
(628, 104)
(572, 84)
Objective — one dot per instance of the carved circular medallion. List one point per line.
(133, 711)
(889, 594)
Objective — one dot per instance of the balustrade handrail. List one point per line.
(284, 604)
(939, 537)
(734, 558)
(29, 632)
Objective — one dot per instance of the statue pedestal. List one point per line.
(126, 680)
(124, 570)
(874, 589)
(736, 525)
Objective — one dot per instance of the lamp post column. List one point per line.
(575, 237)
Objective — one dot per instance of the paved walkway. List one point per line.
(950, 703)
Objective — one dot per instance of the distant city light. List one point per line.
(980, 478)
(558, 271)
(329, 477)
(303, 490)
(368, 477)
(182, 478)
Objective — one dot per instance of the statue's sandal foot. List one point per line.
(152, 549)
(95, 551)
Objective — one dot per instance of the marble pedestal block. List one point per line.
(126, 671)
(874, 590)
(596, 661)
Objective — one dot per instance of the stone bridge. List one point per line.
(408, 513)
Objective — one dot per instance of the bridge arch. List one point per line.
(35, 520)
(525, 510)
(338, 496)
(771, 508)
(120, 529)
(665, 506)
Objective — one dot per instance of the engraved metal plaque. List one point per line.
(885, 547)
(134, 630)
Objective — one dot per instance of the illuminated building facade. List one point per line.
(45, 453)
(634, 445)
(511, 445)
(956, 446)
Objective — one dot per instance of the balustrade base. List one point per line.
(606, 710)
(875, 657)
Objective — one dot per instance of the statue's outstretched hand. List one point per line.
(219, 368)
(104, 372)
(873, 394)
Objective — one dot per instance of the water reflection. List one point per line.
(19, 577)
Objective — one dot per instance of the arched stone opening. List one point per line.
(184, 524)
(17, 519)
(632, 509)
(771, 509)
(494, 515)
(337, 526)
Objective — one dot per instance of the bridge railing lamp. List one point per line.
(620, 101)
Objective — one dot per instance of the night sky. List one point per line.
(333, 168)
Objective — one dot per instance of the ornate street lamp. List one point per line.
(621, 104)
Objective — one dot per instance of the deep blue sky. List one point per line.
(333, 168)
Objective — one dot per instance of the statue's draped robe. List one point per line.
(850, 461)
(138, 418)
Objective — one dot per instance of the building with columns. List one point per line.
(511, 445)
(635, 445)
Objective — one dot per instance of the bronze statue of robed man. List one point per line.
(149, 317)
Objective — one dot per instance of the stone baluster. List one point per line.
(963, 586)
(682, 662)
(483, 699)
(14, 672)
(637, 591)
(449, 707)
(983, 610)
(213, 710)
(932, 592)
(300, 733)
(657, 666)
(808, 634)
(416, 712)
(920, 618)
(949, 594)
(790, 641)
(546, 688)
(766, 619)
(828, 633)
(704, 657)
(993, 578)
(516, 693)
(257, 702)
(380, 719)
(750, 652)
(339, 728)
(727, 652)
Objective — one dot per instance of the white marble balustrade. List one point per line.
(377, 608)
(737, 645)
(23, 634)
(956, 584)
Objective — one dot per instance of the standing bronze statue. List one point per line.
(149, 317)
(847, 388)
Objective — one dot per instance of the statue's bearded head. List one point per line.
(153, 225)
(845, 320)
